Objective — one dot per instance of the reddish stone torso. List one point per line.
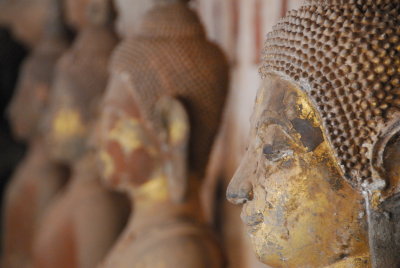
(82, 223)
(34, 186)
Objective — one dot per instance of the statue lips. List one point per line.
(253, 221)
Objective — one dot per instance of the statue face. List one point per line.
(129, 152)
(69, 122)
(297, 208)
(28, 105)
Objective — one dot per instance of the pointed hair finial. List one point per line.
(101, 12)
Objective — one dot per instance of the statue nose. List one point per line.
(241, 195)
(240, 189)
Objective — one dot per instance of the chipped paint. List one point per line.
(128, 134)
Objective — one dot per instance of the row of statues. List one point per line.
(120, 133)
(89, 123)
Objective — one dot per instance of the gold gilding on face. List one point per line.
(131, 135)
(126, 133)
(68, 123)
(299, 211)
(127, 149)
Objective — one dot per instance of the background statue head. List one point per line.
(164, 102)
(320, 174)
(80, 80)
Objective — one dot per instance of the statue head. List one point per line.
(32, 94)
(75, 12)
(80, 80)
(319, 172)
(163, 104)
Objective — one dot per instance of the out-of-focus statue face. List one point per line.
(32, 95)
(68, 124)
(28, 106)
(298, 209)
(129, 151)
(80, 80)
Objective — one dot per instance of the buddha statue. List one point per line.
(37, 179)
(162, 109)
(84, 221)
(319, 183)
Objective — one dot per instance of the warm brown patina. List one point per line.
(320, 181)
(37, 179)
(161, 113)
(85, 220)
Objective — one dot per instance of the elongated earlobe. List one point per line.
(385, 157)
(174, 134)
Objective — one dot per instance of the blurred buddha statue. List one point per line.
(85, 220)
(162, 109)
(37, 179)
(320, 181)
(32, 95)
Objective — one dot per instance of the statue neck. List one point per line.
(151, 194)
(152, 204)
(85, 170)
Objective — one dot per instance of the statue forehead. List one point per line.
(282, 103)
(282, 98)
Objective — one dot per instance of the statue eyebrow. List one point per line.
(284, 126)
(274, 121)
(293, 127)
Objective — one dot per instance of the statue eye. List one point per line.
(268, 149)
(276, 152)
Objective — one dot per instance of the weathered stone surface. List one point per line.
(319, 174)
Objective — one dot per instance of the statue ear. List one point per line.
(174, 131)
(386, 157)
